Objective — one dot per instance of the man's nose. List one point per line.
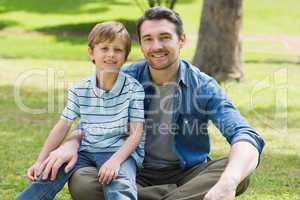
(157, 45)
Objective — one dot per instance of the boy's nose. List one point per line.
(111, 53)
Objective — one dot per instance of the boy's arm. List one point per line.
(54, 139)
(65, 153)
(131, 143)
(106, 172)
(49, 162)
(136, 129)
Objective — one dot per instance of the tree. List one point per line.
(169, 3)
(219, 52)
(151, 3)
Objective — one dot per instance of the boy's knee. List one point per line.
(121, 188)
(84, 185)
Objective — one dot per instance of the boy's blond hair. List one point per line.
(109, 31)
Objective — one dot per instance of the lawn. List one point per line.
(43, 50)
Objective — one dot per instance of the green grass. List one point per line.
(22, 134)
(272, 17)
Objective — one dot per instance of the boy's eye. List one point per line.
(119, 50)
(104, 48)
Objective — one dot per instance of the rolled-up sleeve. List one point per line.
(228, 119)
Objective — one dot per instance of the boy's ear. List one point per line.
(90, 52)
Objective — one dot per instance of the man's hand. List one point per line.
(222, 190)
(66, 153)
(109, 171)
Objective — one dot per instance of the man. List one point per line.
(180, 100)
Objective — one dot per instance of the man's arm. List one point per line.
(246, 143)
(243, 159)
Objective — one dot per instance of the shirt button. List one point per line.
(186, 121)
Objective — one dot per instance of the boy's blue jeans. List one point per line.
(123, 187)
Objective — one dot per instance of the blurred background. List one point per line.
(251, 47)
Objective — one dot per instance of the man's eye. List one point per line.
(104, 48)
(147, 39)
(165, 37)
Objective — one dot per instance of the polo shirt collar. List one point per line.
(115, 91)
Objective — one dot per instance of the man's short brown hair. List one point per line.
(108, 31)
(160, 13)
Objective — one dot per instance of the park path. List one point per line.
(286, 44)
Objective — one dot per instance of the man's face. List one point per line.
(160, 43)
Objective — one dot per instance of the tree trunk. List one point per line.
(219, 51)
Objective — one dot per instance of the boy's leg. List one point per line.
(47, 189)
(84, 184)
(124, 186)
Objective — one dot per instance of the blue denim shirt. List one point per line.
(198, 99)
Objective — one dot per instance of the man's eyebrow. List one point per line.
(165, 33)
(147, 35)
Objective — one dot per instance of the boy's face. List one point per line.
(109, 55)
(160, 43)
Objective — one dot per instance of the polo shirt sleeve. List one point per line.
(71, 111)
(136, 105)
(228, 119)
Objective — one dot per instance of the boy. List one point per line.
(107, 103)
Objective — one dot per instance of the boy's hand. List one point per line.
(109, 171)
(33, 171)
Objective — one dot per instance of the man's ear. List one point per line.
(182, 40)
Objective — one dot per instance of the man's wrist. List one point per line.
(231, 181)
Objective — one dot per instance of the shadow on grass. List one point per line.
(58, 6)
(274, 61)
(77, 33)
(7, 23)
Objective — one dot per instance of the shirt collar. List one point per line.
(115, 91)
(182, 74)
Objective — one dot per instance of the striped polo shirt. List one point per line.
(104, 115)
